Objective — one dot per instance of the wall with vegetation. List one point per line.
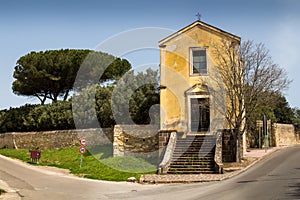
(55, 139)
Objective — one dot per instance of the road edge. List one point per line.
(9, 192)
(48, 171)
(259, 159)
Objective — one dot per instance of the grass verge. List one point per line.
(101, 166)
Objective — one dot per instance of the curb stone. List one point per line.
(9, 194)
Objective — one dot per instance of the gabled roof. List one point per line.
(204, 26)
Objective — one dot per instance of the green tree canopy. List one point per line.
(282, 111)
(12, 120)
(55, 116)
(134, 96)
(51, 74)
(127, 102)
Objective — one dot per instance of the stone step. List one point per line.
(184, 157)
(191, 171)
(189, 156)
(187, 159)
(194, 160)
(197, 137)
(194, 145)
(191, 165)
(193, 154)
(195, 157)
(195, 140)
(202, 149)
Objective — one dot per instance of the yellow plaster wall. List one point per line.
(175, 74)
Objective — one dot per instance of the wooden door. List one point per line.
(200, 116)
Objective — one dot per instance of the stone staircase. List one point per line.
(194, 155)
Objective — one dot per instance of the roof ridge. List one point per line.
(196, 23)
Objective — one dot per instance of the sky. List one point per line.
(35, 25)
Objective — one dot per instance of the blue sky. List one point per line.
(35, 25)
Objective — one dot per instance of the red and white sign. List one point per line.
(82, 150)
(83, 141)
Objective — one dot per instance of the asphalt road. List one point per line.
(275, 177)
(33, 183)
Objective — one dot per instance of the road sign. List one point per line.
(83, 141)
(82, 150)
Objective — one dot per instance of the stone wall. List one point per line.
(6, 140)
(136, 140)
(97, 136)
(164, 137)
(55, 139)
(228, 147)
(285, 134)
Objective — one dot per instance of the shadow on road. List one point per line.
(294, 190)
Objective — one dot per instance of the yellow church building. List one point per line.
(193, 98)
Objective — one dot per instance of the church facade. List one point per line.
(192, 95)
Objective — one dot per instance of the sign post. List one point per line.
(82, 149)
(265, 131)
